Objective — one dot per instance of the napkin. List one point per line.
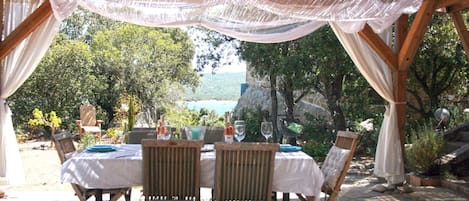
(296, 128)
(101, 148)
(289, 148)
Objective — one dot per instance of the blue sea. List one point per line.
(219, 106)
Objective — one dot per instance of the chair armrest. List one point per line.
(78, 123)
(99, 122)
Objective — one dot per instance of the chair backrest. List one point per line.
(64, 145)
(214, 134)
(244, 171)
(137, 134)
(337, 162)
(88, 115)
(171, 169)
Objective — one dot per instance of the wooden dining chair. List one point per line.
(137, 134)
(171, 169)
(88, 121)
(244, 171)
(65, 149)
(337, 163)
(214, 134)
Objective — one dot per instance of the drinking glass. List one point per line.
(267, 130)
(240, 128)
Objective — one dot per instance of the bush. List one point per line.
(87, 140)
(253, 119)
(317, 150)
(426, 150)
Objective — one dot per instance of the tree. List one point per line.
(154, 67)
(439, 68)
(62, 80)
(83, 24)
(264, 62)
(213, 49)
(311, 63)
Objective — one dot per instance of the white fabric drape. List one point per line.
(257, 21)
(388, 159)
(17, 67)
(264, 21)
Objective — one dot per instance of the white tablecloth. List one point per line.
(294, 172)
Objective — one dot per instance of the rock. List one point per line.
(379, 188)
(258, 97)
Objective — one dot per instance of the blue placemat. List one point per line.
(289, 148)
(101, 148)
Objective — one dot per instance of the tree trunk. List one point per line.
(289, 99)
(274, 101)
(333, 94)
(289, 104)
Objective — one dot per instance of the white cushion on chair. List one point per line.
(93, 129)
(333, 165)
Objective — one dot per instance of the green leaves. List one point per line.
(427, 147)
(94, 60)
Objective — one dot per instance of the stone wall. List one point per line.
(256, 96)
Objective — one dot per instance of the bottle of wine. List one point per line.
(229, 131)
(161, 130)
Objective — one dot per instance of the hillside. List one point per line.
(220, 86)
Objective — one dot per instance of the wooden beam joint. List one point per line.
(380, 47)
(416, 33)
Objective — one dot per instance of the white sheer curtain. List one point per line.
(388, 159)
(17, 67)
(257, 20)
(264, 21)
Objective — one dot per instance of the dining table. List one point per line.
(294, 171)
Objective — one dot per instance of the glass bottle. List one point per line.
(161, 130)
(229, 131)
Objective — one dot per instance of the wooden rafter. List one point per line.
(415, 35)
(25, 29)
(462, 30)
(380, 47)
(402, 30)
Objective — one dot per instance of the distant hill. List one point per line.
(219, 86)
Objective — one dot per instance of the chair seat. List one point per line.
(92, 129)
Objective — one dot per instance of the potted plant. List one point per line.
(423, 157)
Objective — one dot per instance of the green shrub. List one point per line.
(253, 119)
(424, 153)
(316, 150)
(87, 140)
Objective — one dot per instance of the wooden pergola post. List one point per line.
(408, 43)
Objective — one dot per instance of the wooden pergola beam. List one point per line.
(462, 30)
(416, 33)
(28, 26)
(402, 30)
(379, 46)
